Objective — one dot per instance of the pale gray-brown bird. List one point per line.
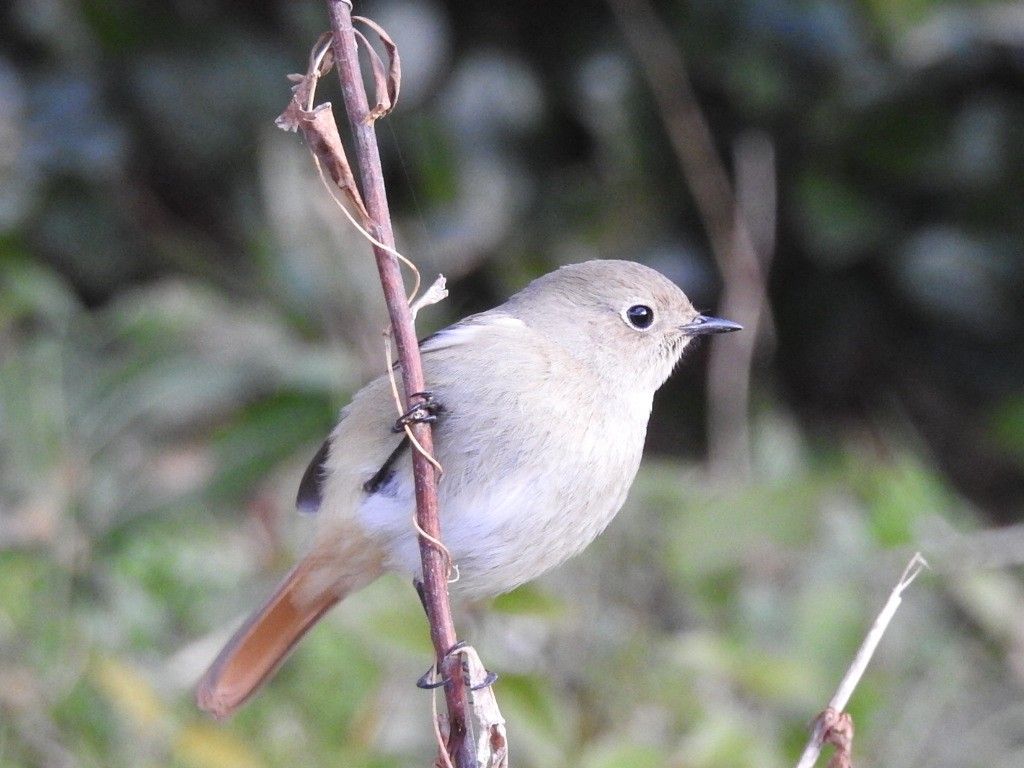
(541, 411)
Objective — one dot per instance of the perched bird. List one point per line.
(541, 411)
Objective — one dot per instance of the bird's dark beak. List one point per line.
(704, 324)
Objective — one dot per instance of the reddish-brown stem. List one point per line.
(435, 576)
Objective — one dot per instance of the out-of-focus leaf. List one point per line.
(336, 673)
(26, 289)
(265, 434)
(724, 738)
(206, 746)
(899, 494)
(841, 222)
(707, 529)
(1008, 426)
(129, 692)
(400, 625)
(541, 723)
(530, 600)
(901, 15)
(624, 756)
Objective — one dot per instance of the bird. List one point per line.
(540, 410)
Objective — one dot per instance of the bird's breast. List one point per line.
(525, 485)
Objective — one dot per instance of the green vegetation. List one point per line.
(183, 313)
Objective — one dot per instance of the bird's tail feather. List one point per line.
(266, 638)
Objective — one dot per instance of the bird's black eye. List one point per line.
(640, 316)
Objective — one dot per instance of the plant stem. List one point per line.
(435, 576)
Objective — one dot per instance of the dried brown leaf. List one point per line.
(383, 104)
(291, 118)
(321, 133)
(321, 60)
(321, 57)
(837, 730)
(386, 84)
(318, 126)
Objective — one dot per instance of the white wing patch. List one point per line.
(464, 332)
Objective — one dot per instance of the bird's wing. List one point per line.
(358, 455)
(358, 461)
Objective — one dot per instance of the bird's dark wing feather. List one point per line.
(311, 486)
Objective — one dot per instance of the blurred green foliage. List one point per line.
(182, 313)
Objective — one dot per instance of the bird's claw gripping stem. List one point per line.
(427, 683)
(424, 411)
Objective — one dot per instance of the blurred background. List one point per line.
(183, 311)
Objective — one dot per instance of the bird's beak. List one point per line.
(703, 324)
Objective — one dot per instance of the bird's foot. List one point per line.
(431, 679)
(422, 412)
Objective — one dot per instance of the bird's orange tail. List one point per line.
(263, 642)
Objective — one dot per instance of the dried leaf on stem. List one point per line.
(319, 128)
(386, 84)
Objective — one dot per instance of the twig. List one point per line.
(435, 587)
(744, 271)
(860, 661)
(743, 274)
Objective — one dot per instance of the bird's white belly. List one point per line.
(506, 534)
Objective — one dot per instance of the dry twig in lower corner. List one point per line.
(833, 725)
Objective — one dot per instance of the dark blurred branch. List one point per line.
(743, 274)
(435, 571)
(744, 298)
